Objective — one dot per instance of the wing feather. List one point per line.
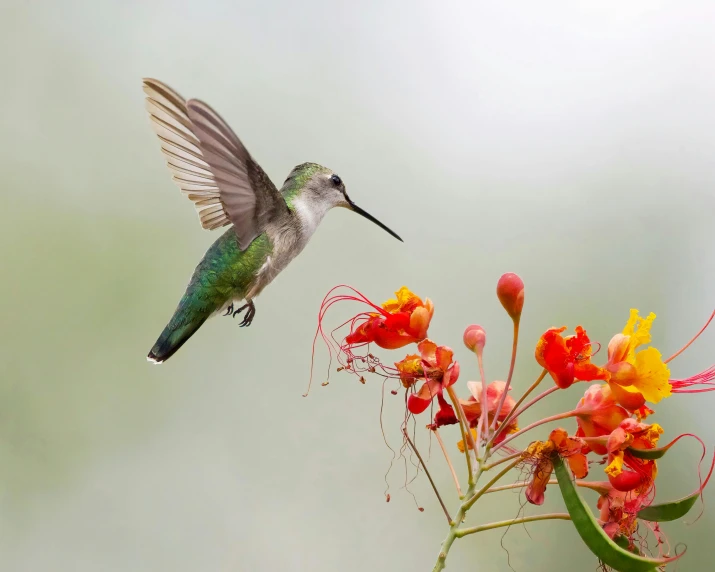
(210, 164)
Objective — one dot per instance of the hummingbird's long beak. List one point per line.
(371, 218)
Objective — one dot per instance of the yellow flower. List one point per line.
(637, 377)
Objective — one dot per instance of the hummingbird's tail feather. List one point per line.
(173, 337)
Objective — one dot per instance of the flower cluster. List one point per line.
(610, 428)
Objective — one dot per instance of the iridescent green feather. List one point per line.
(297, 180)
(224, 273)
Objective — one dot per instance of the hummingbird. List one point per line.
(267, 227)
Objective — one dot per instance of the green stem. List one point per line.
(470, 501)
(449, 461)
(453, 529)
(599, 487)
(466, 433)
(502, 460)
(483, 421)
(503, 523)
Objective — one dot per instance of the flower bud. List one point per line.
(510, 290)
(474, 338)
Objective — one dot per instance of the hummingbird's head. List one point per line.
(323, 189)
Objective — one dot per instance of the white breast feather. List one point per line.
(310, 215)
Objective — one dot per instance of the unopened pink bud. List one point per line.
(510, 290)
(475, 337)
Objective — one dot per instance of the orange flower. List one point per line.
(598, 415)
(438, 369)
(399, 322)
(410, 369)
(567, 359)
(541, 453)
(625, 471)
(636, 377)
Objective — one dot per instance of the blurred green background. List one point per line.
(571, 142)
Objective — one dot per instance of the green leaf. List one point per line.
(651, 454)
(669, 510)
(593, 535)
(676, 509)
(624, 543)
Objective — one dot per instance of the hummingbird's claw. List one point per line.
(229, 310)
(248, 318)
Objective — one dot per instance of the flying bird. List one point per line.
(267, 227)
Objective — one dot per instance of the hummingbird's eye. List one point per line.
(337, 181)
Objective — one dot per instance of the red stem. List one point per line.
(532, 426)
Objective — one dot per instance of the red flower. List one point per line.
(598, 415)
(399, 322)
(619, 510)
(625, 471)
(567, 359)
(437, 368)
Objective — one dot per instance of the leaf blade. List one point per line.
(673, 510)
(668, 511)
(593, 535)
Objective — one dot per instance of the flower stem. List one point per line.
(512, 413)
(532, 426)
(503, 523)
(514, 344)
(434, 487)
(466, 433)
(502, 460)
(469, 502)
(484, 415)
(536, 399)
(599, 487)
(453, 529)
(449, 462)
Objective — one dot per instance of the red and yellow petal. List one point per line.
(418, 402)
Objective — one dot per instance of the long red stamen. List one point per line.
(328, 300)
(686, 346)
(344, 352)
(706, 378)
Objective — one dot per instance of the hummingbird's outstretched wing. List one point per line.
(211, 165)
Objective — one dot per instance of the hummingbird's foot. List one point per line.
(248, 318)
(229, 310)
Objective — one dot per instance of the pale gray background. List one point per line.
(571, 142)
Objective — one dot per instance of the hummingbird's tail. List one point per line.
(177, 332)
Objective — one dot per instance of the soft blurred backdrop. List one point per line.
(571, 142)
